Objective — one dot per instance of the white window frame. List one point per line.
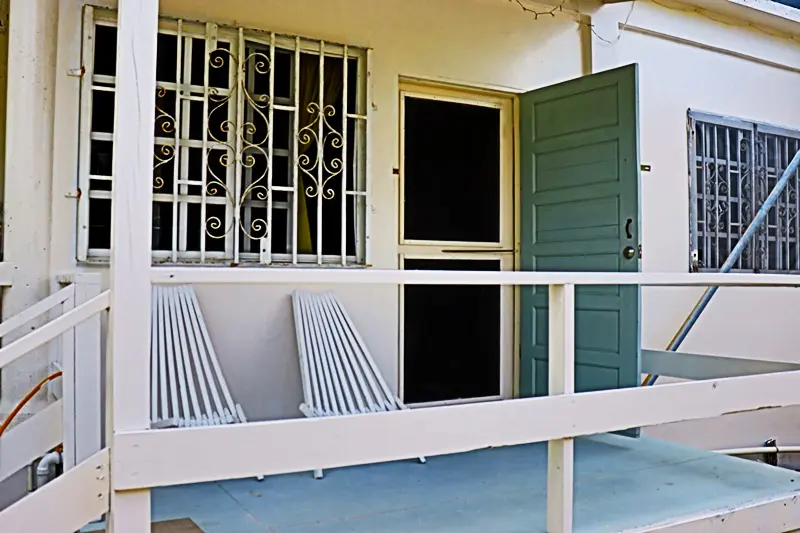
(237, 204)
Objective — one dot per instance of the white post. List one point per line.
(129, 394)
(67, 361)
(560, 453)
(87, 378)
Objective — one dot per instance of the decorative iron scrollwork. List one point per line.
(310, 134)
(240, 144)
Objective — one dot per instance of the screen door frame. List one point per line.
(505, 250)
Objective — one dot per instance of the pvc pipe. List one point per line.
(43, 468)
(760, 449)
(754, 226)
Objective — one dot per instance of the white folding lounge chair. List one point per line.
(338, 373)
(187, 385)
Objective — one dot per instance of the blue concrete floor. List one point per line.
(621, 483)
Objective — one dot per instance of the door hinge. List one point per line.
(694, 265)
(76, 72)
(640, 251)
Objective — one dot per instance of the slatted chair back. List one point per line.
(188, 387)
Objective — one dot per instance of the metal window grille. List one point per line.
(734, 165)
(260, 146)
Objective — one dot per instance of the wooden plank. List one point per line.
(702, 366)
(780, 514)
(39, 308)
(128, 405)
(53, 329)
(246, 275)
(88, 376)
(66, 504)
(67, 357)
(561, 453)
(31, 439)
(178, 456)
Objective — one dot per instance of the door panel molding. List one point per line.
(580, 209)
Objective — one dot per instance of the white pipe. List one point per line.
(43, 468)
(760, 449)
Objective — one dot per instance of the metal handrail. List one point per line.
(709, 293)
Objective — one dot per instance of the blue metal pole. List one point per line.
(733, 257)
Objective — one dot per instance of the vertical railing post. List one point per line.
(79, 353)
(560, 453)
(66, 345)
(87, 377)
(128, 395)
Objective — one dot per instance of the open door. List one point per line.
(579, 147)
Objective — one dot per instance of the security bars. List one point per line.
(260, 146)
(734, 164)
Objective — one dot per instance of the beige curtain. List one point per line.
(309, 92)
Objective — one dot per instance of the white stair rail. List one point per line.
(187, 385)
(66, 504)
(339, 375)
(31, 439)
(36, 436)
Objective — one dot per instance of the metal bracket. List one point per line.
(695, 262)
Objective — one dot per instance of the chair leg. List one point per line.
(317, 474)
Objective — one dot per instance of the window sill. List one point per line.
(105, 262)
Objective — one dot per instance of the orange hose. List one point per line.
(26, 399)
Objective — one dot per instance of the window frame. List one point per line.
(358, 121)
(760, 139)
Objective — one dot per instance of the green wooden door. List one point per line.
(579, 147)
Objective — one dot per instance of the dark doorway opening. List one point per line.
(451, 172)
(451, 336)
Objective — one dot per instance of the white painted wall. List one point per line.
(488, 42)
(676, 74)
(28, 184)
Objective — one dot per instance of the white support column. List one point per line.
(129, 395)
(561, 453)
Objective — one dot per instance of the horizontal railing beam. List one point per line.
(66, 504)
(179, 456)
(781, 513)
(364, 276)
(53, 329)
(38, 309)
(31, 439)
(700, 366)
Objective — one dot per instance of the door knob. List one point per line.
(629, 252)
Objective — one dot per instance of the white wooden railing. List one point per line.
(147, 458)
(72, 420)
(143, 459)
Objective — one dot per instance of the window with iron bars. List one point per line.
(734, 165)
(260, 146)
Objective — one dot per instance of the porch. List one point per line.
(513, 464)
(621, 484)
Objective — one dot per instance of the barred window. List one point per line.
(260, 146)
(735, 164)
